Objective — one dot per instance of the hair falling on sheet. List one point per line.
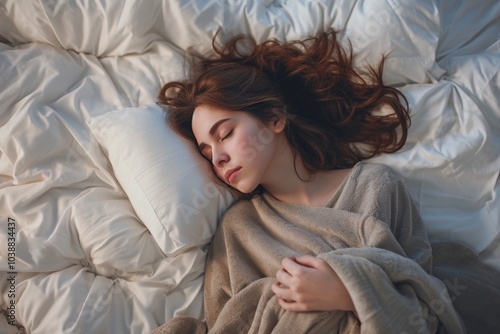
(331, 108)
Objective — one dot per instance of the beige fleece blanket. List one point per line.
(371, 235)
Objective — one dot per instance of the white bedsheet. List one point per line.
(79, 247)
(85, 262)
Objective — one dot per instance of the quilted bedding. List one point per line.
(82, 252)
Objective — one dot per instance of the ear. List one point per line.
(278, 122)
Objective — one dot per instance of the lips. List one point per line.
(229, 172)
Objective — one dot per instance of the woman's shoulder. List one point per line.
(369, 177)
(242, 208)
(376, 172)
(364, 176)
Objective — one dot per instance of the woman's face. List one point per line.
(240, 148)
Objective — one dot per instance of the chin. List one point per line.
(246, 189)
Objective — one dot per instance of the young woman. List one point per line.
(286, 127)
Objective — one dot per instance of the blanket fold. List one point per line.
(371, 235)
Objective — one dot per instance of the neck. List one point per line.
(287, 185)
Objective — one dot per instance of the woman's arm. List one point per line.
(308, 283)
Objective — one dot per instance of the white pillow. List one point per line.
(163, 175)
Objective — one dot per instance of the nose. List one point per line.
(219, 158)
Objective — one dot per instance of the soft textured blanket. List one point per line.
(371, 235)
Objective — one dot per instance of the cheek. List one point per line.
(247, 148)
(235, 148)
(246, 153)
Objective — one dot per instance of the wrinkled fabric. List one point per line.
(63, 62)
(370, 233)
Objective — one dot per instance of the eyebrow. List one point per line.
(212, 131)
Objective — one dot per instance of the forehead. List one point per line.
(205, 116)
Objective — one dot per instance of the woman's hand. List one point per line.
(308, 283)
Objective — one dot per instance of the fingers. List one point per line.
(309, 261)
(290, 265)
(285, 288)
(299, 268)
(290, 272)
(281, 286)
(285, 298)
(289, 304)
(281, 291)
(278, 289)
(306, 283)
(283, 277)
(290, 281)
(293, 264)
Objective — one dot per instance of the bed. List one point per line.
(106, 215)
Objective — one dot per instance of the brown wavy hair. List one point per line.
(333, 111)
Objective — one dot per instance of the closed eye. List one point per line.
(205, 153)
(204, 149)
(228, 134)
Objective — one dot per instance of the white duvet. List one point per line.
(85, 262)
